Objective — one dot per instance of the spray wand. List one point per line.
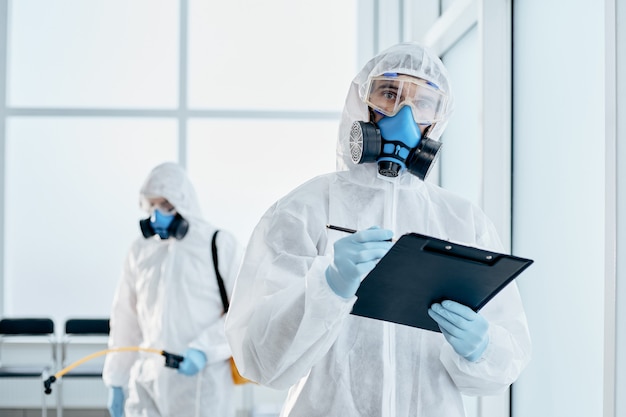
(171, 361)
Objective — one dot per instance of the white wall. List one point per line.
(559, 202)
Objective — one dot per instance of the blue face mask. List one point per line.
(400, 134)
(396, 143)
(167, 225)
(161, 222)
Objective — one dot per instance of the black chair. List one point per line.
(91, 331)
(83, 328)
(24, 331)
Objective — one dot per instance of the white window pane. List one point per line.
(96, 53)
(461, 153)
(274, 54)
(242, 168)
(71, 211)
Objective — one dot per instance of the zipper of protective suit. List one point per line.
(389, 346)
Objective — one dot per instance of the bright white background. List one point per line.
(246, 95)
(72, 181)
(68, 53)
(70, 211)
(248, 98)
(250, 164)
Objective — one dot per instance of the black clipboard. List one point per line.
(420, 270)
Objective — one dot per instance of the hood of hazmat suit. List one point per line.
(168, 299)
(288, 329)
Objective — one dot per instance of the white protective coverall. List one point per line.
(288, 329)
(168, 299)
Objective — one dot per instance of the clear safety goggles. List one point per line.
(387, 94)
(161, 204)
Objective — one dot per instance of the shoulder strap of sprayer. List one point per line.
(220, 281)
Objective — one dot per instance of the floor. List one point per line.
(20, 412)
(15, 412)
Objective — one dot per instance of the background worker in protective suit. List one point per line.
(290, 323)
(168, 299)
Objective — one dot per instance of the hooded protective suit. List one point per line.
(168, 299)
(288, 329)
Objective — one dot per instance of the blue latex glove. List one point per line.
(194, 360)
(116, 402)
(463, 328)
(355, 256)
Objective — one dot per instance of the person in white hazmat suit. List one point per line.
(290, 323)
(168, 299)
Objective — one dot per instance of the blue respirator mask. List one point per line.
(164, 225)
(396, 142)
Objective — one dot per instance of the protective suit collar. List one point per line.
(367, 175)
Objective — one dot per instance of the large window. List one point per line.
(247, 95)
(95, 54)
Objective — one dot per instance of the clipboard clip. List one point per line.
(460, 251)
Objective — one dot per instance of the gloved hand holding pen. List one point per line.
(464, 329)
(355, 256)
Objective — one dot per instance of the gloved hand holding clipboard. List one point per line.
(421, 270)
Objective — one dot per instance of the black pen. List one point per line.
(341, 229)
(345, 229)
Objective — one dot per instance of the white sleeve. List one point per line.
(284, 316)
